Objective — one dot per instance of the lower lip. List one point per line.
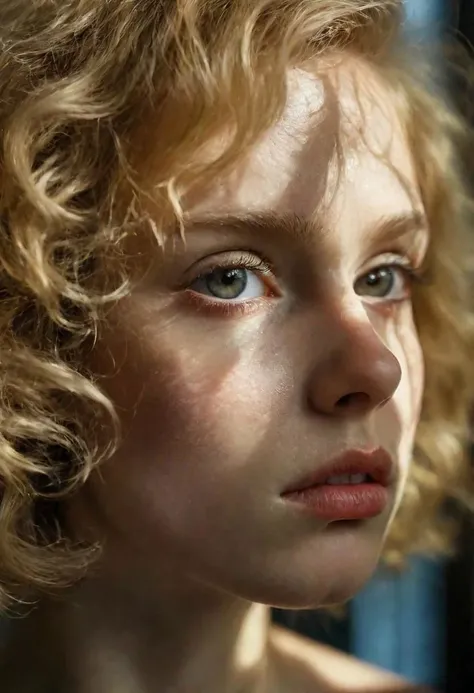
(345, 502)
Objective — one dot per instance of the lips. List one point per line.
(375, 464)
(353, 486)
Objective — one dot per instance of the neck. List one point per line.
(180, 639)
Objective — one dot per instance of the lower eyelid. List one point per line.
(202, 303)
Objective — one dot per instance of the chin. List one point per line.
(335, 569)
(325, 592)
(310, 586)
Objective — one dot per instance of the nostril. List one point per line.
(354, 401)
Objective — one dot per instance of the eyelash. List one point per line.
(247, 260)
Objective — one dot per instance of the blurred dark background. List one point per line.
(419, 622)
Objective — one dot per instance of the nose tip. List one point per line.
(355, 381)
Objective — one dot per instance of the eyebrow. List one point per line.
(388, 228)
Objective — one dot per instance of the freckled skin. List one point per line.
(221, 413)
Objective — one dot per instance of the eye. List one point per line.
(231, 284)
(390, 282)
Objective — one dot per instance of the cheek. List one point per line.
(215, 398)
(223, 394)
(202, 415)
(222, 404)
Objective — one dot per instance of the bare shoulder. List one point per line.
(310, 667)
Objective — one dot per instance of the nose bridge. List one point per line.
(356, 371)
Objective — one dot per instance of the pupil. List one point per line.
(380, 281)
(228, 277)
(227, 283)
(372, 279)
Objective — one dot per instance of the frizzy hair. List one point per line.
(80, 83)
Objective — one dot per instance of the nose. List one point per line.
(357, 375)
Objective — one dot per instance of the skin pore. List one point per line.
(278, 336)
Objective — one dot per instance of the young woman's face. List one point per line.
(278, 338)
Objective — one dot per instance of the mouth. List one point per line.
(354, 486)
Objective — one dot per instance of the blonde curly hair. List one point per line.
(79, 83)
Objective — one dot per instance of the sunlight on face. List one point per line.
(279, 336)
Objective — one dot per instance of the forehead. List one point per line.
(340, 135)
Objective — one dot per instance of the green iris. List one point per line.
(378, 283)
(227, 283)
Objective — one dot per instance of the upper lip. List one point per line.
(377, 463)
